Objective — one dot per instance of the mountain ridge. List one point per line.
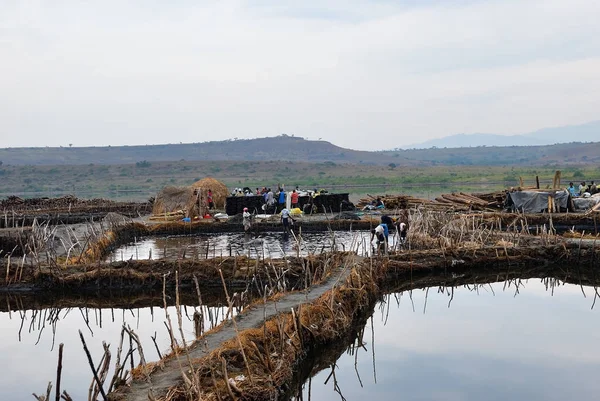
(297, 149)
(587, 132)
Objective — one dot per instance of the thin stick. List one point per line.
(91, 362)
(235, 327)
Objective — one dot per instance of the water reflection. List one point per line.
(264, 245)
(29, 340)
(524, 339)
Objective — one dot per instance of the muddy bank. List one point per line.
(146, 276)
(67, 210)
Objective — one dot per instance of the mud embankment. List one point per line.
(274, 343)
(147, 276)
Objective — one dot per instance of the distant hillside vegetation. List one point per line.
(289, 148)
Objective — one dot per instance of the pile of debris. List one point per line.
(461, 200)
(393, 201)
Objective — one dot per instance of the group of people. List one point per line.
(583, 190)
(277, 201)
(381, 232)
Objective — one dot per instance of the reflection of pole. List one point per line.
(373, 348)
(59, 371)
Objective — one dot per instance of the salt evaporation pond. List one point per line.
(29, 346)
(264, 245)
(490, 345)
(493, 343)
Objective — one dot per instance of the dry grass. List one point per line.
(174, 199)
(219, 190)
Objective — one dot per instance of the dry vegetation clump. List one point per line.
(444, 230)
(219, 190)
(173, 199)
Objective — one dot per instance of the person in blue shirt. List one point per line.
(572, 190)
(281, 199)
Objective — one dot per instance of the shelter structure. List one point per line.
(219, 190)
(176, 202)
(536, 201)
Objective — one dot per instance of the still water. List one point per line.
(264, 245)
(490, 344)
(29, 343)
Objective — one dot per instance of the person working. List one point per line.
(286, 219)
(387, 220)
(381, 232)
(572, 190)
(247, 220)
(402, 230)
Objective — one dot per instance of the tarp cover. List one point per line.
(586, 203)
(536, 201)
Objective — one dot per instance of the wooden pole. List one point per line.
(556, 180)
(537, 182)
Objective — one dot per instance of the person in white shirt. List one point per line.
(381, 232)
(286, 219)
(403, 230)
(247, 220)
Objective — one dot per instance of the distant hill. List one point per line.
(589, 132)
(294, 149)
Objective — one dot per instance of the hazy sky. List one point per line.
(361, 74)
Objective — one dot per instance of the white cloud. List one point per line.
(148, 72)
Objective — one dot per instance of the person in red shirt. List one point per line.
(294, 199)
(209, 199)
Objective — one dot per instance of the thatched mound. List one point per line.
(219, 190)
(174, 199)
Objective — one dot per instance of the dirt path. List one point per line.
(251, 318)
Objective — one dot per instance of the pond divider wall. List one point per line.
(257, 363)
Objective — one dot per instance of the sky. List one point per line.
(361, 74)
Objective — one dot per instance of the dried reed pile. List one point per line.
(219, 190)
(179, 201)
(394, 201)
(455, 201)
(463, 201)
